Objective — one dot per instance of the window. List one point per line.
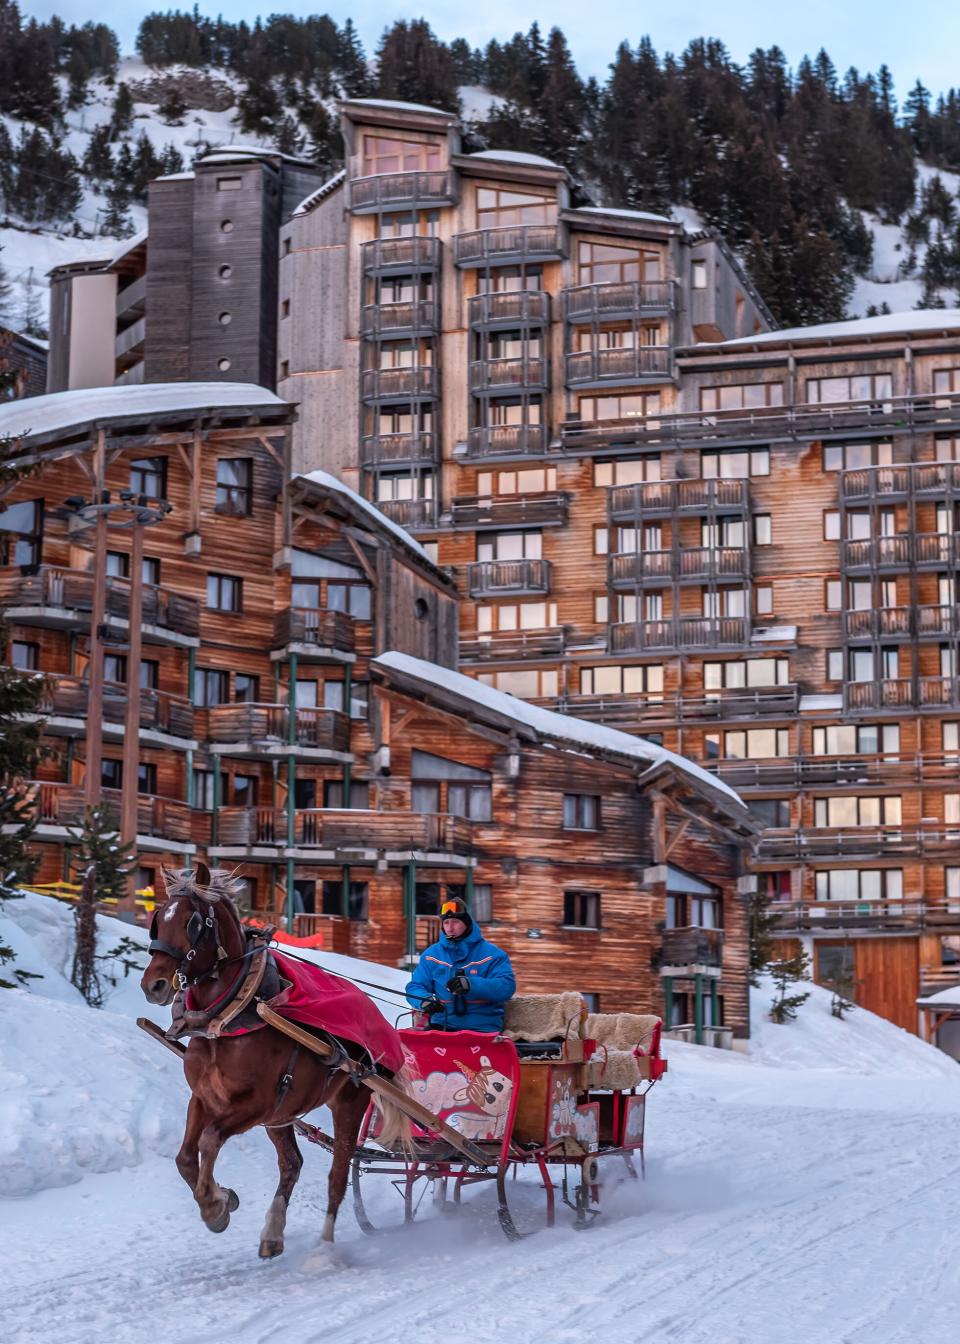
(726, 601)
(612, 679)
(304, 794)
(473, 801)
(626, 471)
(21, 533)
(684, 910)
(763, 599)
(747, 672)
(831, 525)
(581, 909)
(468, 789)
(847, 739)
(951, 883)
(947, 450)
(148, 476)
(946, 380)
(384, 154)
(24, 656)
(605, 263)
(951, 737)
(234, 486)
(951, 808)
(333, 694)
(526, 684)
(226, 226)
(305, 694)
(856, 456)
(357, 799)
(736, 464)
(224, 592)
(399, 485)
(601, 540)
(146, 777)
(510, 280)
(354, 598)
(836, 965)
(775, 886)
(304, 895)
(698, 274)
(857, 811)
(832, 595)
(357, 894)
(834, 658)
(630, 406)
(857, 387)
(246, 688)
(118, 565)
(741, 396)
(762, 529)
(245, 790)
(510, 546)
(581, 812)
(727, 530)
(498, 207)
(115, 668)
(750, 744)
(601, 608)
(210, 687)
(146, 878)
(859, 884)
(506, 616)
(533, 480)
(506, 411)
(229, 183)
(359, 699)
(111, 774)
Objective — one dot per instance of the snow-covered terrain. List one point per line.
(805, 1193)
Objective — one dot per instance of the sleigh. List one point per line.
(557, 1091)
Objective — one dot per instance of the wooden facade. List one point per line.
(280, 733)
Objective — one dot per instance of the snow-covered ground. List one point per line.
(805, 1193)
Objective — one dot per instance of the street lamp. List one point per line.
(132, 512)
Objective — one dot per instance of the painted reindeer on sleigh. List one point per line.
(271, 1038)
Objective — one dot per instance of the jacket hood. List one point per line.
(468, 942)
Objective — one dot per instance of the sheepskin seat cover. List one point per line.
(544, 1017)
(618, 1035)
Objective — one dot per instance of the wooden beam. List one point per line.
(362, 560)
(677, 836)
(193, 516)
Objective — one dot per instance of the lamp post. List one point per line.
(133, 513)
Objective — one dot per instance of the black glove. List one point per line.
(459, 984)
(431, 1006)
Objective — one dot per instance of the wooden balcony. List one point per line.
(898, 693)
(877, 554)
(63, 599)
(518, 308)
(619, 367)
(334, 831)
(399, 449)
(510, 646)
(922, 480)
(890, 623)
(386, 321)
(336, 931)
(386, 256)
(827, 842)
(681, 632)
(666, 499)
(411, 191)
(314, 632)
(501, 578)
(803, 772)
(696, 564)
(412, 513)
(480, 512)
(686, 951)
(879, 916)
(512, 243)
(60, 807)
(618, 300)
(506, 441)
(637, 713)
(937, 622)
(66, 703)
(419, 383)
(936, 550)
(264, 730)
(507, 375)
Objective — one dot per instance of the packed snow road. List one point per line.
(805, 1195)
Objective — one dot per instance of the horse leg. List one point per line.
(348, 1111)
(188, 1158)
(290, 1161)
(216, 1202)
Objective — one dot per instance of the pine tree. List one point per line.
(97, 159)
(287, 139)
(763, 926)
(79, 73)
(324, 142)
(116, 222)
(843, 989)
(173, 109)
(352, 63)
(258, 107)
(787, 972)
(415, 67)
(6, 294)
(121, 118)
(32, 317)
(103, 864)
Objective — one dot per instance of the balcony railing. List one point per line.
(937, 550)
(681, 632)
(880, 623)
(69, 698)
(613, 299)
(314, 626)
(937, 622)
(666, 498)
(814, 916)
(896, 693)
(921, 479)
(839, 842)
(368, 195)
(698, 564)
(269, 724)
(401, 254)
(420, 446)
(336, 829)
(546, 509)
(635, 712)
(401, 384)
(690, 947)
(517, 308)
(834, 771)
(514, 242)
(67, 596)
(409, 318)
(491, 375)
(507, 441)
(877, 553)
(489, 578)
(64, 805)
(513, 646)
(409, 512)
(589, 368)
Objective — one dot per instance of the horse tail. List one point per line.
(395, 1128)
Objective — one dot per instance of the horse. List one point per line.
(241, 1081)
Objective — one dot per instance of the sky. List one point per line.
(919, 39)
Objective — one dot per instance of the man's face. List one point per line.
(453, 927)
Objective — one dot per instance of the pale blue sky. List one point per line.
(920, 38)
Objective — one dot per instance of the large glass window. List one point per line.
(741, 396)
(148, 476)
(737, 464)
(857, 811)
(533, 683)
(497, 207)
(856, 387)
(234, 486)
(510, 546)
(856, 456)
(859, 884)
(848, 739)
(210, 687)
(603, 263)
(631, 406)
(21, 532)
(613, 679)
(504, 616)
(385, 154)
(749, 744)
(746, 672)
(627, 470)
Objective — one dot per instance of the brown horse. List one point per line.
(242, 1081)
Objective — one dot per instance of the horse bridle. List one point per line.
(196, 930)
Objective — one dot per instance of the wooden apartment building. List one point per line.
(301, 717)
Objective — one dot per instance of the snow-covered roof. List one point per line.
(230, 153)
(315, 197)
(129, 245)
(944, 998)
(392, 105)
(547, 722)
(36, 416)
(336, 486)
(915, 322)
(625, 214)
(175, 177)
(515, 156)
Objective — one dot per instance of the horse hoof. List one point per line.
(270, 1249)
(233, 1201)
(219, 1223)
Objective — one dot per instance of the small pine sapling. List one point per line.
(103, 865)
(787, 973)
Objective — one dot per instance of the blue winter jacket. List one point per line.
(486, 967)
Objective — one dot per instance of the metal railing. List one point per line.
(695, 564)
(625, 502)
(532, 241)
(72, 592)
(623, 365)
(842, 842)
(513, 646)
(878, 553)
(422, 380)
(337, 828)
(401, 254)
(55, 804)
(507, 441)
(681, 632)
(479, 511)
(267, 724)
(397, 319)
(883, 914)
(409, 512)
(808, 771)
(894, 693)
(642, 709)
(617, 298)
(524, 371)
(523, 307)
(690, 947)
(419, 446)
(435, 187)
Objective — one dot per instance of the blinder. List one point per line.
(196, 926)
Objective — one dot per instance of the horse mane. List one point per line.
(222, 887)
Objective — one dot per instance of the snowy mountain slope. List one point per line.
(786, 1199)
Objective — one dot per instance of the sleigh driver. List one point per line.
(461, 981)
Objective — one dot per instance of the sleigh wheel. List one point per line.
(587, 1193)
(522, 1213)
(399, 1207)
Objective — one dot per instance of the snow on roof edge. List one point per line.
(887, 324)
(318, 193)
(339, 487)
(548, 722)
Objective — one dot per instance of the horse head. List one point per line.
(186, 940)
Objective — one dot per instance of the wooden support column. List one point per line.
(347, 697)
(345, 891)
(92, 781)
(667, 1001)
(217, 797)
(130, 782)
(715, 1002)
(410, 907)
(291, 781)
(698, 1009)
